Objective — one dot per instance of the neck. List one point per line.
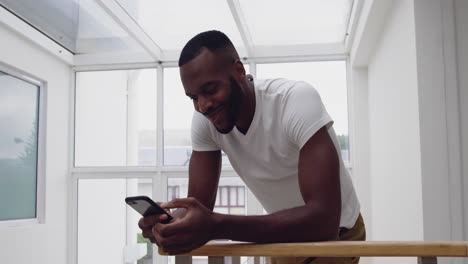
(247, 105)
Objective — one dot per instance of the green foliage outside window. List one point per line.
(149, 248)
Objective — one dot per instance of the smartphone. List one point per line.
(146, 207)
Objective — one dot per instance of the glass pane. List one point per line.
(241, 196)
(172, 23)
(329, 78)
(81, 26)
(297, 21)
(116, 118)
(18, 147)
(182, 183)
(222, 204)
(173, 192)
(233, 196)
(224, 196)
(108, 229)
(178, 112)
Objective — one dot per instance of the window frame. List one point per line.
(41, 146)
(160, 173)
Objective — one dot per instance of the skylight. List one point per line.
(156, 30)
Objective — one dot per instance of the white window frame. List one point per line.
(158, 173)
(41, 147)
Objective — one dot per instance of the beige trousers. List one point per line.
(356, 233)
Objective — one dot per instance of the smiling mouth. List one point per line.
(214, 114)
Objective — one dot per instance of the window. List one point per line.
(230, 198)
(107, 228)
(115, 118)
(173, 192)
(329, 79)
(178, 111)
(22, 100)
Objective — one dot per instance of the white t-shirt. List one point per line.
(287, 114)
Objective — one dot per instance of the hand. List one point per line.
(146, 224)
(192, 230)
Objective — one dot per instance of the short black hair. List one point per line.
(212, 40)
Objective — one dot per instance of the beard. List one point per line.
(232, 107)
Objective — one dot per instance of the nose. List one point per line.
(204, 104)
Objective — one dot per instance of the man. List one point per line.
(280, 141)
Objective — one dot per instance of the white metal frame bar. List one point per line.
(72, 181)
(112, 67)
(371, 21)
(160, 117)
(237, 14)
(118, 13)
(113, 57)
(41, 146)
(352, 24)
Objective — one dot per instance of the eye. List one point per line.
(211, 89)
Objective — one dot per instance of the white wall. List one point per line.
(438, 120)
(395, 163)
(461, 15)
(417, 96)
(44, 243)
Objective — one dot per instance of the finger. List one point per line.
(141, 224)
(176, 240)
(178, 248)
(147, 233)
(177, 226)
(157, 237)
(150, 221)
(179, 203)
(163, 218)
(161, 230)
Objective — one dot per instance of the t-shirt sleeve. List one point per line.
(304, 113)
(202, 139)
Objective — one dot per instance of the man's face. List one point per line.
(208, 81)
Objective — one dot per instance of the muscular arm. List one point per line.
(204, 171)
(317, 220)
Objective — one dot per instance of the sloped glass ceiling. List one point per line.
(172, 23)
(85, 27)
(80, 26)
(296, 22)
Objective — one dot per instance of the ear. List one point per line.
(239, 71)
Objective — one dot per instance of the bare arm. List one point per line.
(317, 220)
(204, 171)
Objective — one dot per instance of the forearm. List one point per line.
(204, 172)
(300, 224)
